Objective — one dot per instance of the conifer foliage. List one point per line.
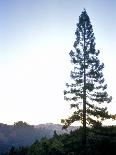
(88, 90)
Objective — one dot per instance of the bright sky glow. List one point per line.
(35, 39)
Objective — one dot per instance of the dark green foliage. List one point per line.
(100, 141)
(13, 151)
(23, 134)
(46, 146)
(87, 93)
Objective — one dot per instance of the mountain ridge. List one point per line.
(23, 134)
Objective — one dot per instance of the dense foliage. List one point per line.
(87, 91)
(23, 134)
(100, 141)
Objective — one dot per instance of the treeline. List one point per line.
(19, 134)
(23, 134)
(100, 141)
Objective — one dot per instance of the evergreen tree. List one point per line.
(88, 90)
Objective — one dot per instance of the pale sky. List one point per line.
(36, 37)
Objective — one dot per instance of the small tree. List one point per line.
(88, 90)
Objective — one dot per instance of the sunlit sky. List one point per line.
(36, 37)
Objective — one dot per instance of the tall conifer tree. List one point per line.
(88, 90)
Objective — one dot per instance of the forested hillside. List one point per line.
(22, 134)
(100, 141)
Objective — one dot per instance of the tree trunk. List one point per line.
(84, 98)
(84, 110)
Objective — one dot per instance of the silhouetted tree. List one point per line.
(88, 90)
(20, 124)
(12, 151)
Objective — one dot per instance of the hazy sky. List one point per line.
(35, 39)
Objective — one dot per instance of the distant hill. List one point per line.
(22, 134)
(55, 127)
